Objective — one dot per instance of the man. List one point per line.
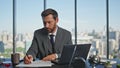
(42, 47)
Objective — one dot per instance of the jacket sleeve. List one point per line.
(33, 50)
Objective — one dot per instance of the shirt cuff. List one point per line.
(56, 55)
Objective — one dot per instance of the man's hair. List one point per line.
(49, 11)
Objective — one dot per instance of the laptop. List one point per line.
(67, 53)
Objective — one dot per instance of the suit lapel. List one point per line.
(58, 39)
(47, 45)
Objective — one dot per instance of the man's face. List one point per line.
(50, 23)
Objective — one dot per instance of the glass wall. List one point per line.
(28, 19)
(65, 9)
(114, 29)
(91, 24)
(6, 42)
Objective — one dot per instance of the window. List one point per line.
(28, 19)
(6, 43)
(65, 9)
(91, 24)
(114, 29)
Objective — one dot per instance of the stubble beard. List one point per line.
(52, 30)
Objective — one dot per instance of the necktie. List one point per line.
(52, 42)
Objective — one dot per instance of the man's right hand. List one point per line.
(28, 59)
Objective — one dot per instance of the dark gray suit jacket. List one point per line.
(41, 45)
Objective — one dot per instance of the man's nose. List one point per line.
(46, 25)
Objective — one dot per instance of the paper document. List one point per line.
(38, 63)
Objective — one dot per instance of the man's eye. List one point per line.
(49, 22)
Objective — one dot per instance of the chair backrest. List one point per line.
(72, 51)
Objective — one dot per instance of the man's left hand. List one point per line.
(49, 57)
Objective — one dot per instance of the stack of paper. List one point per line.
(38, 63)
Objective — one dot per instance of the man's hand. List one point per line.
(28, 59)
(49, 57)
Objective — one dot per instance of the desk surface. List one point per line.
(48, 64)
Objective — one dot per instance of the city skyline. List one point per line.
(28, 16)
(97, 40)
